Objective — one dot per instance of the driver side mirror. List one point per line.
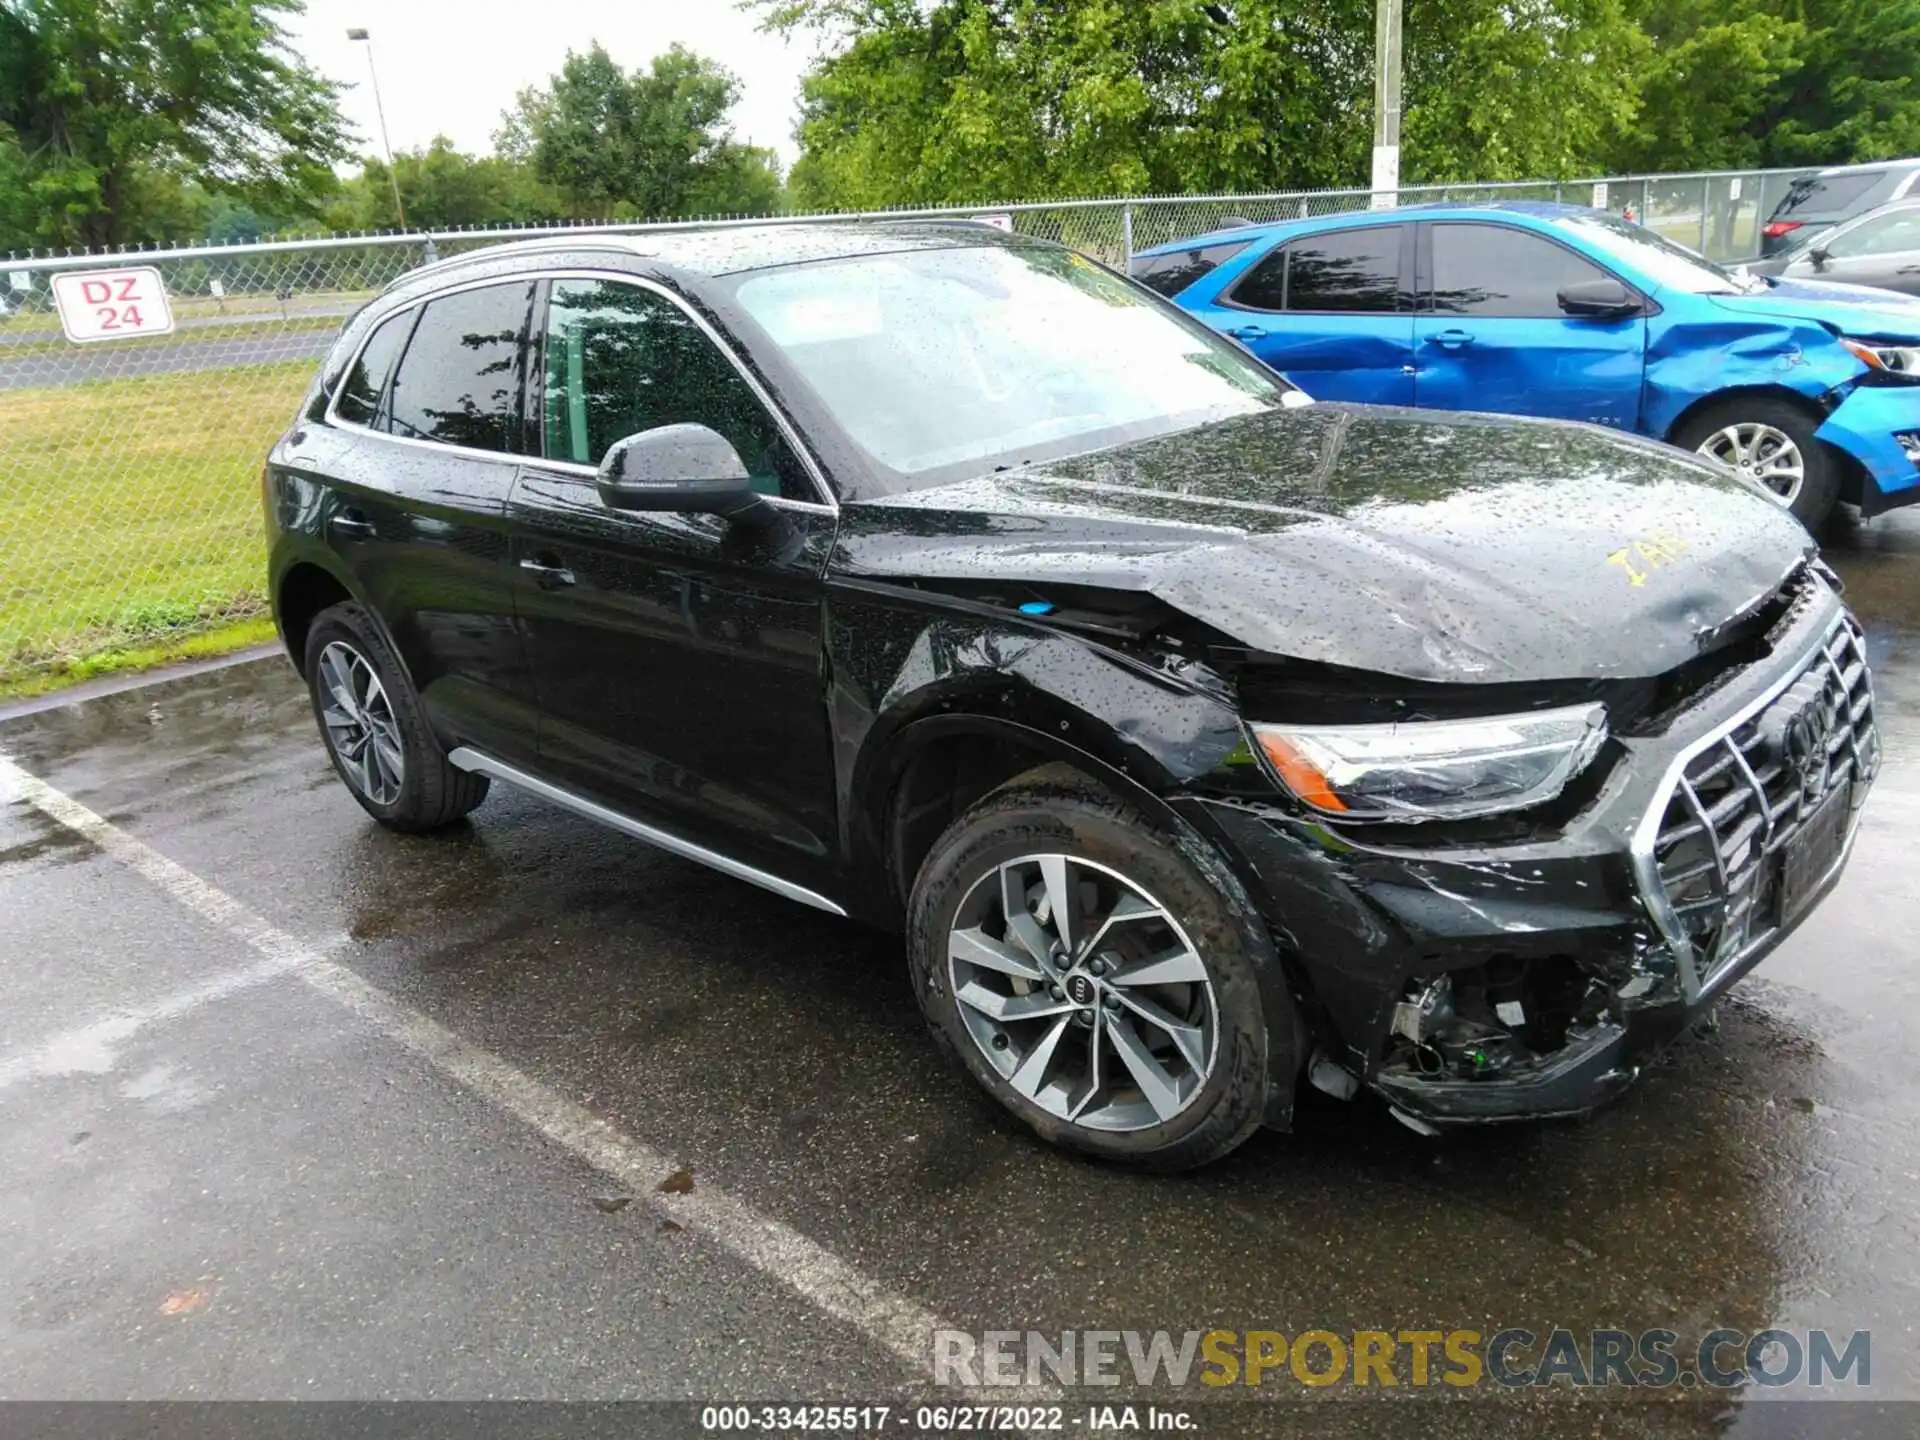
(688, 468)
(1819, 255)
(1598, 300)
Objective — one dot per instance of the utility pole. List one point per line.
(1386, 104)
(363, 37)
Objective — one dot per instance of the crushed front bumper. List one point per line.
(1869, 425)
(1579, 951)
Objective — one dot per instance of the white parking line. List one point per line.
(777, 1250)
(89, 1050)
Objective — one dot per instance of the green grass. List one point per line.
(1743, 240)
(202, 646)
(130, 525)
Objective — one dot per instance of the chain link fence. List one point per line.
(130, 514)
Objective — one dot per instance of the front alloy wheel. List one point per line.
(360, 724)
(1762, 454)
(1083, 992)
(1106, 979)
(1771, 441)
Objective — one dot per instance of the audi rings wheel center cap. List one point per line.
(1080, 989)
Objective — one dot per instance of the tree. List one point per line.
(442, 188)
(1517, 89)
(105, 104)
(1705, 85)
(652, 144)
(963, 100)
(1783, 83)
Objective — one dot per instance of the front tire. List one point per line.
(1770, 441)
(1096, 975)
(375, 731)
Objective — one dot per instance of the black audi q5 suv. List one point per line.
(1202, 740)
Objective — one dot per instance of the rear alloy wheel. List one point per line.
(376, 732)
(361, 730)
(1105, 979)
(1770, 442)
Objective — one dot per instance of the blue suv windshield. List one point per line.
(1654, 257)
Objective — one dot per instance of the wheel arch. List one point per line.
(303, 590)
(931, 769)
(1852, 474)
(914, 821)
(1811, 408)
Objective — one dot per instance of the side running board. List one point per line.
(467, 758)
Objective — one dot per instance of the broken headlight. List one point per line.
(1434, 769)
(1879, 355)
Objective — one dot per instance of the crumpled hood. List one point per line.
(1474, 548)
(1851, 309)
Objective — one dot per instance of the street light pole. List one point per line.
(1386, 104)
(365, 38)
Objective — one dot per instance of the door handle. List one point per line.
(352, 522)
(1248, 332)
(1451, 339)
(548, 573)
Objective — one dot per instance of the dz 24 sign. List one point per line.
(112, 304)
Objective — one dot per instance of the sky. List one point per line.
(451, 66)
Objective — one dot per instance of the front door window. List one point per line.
(621, 359)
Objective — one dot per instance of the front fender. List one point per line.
(1864, 425)
(908, 668)
(1690, 360)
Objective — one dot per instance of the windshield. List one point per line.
(946, 362)
(1657, 258)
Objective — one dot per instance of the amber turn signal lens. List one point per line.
(1300, 774)
(1865, 354)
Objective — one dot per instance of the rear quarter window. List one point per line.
(1175, 271)
(366, 379)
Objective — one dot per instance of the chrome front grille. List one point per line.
(1741, 799)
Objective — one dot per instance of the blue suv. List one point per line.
(1811, 390)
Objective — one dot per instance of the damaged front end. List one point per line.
(1454, 736)
(1878, 426)
(1523, 966)
(1509, 1038)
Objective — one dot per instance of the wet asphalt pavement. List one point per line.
(245, 1187)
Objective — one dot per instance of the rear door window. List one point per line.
(1342, 272)
(366, 383)
(460, 381)
(1498, 270)
(1173, 272)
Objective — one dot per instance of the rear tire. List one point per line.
(1138, 1035)
(374, 729)
(1752, 434)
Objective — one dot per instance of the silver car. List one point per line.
(1880, 248)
